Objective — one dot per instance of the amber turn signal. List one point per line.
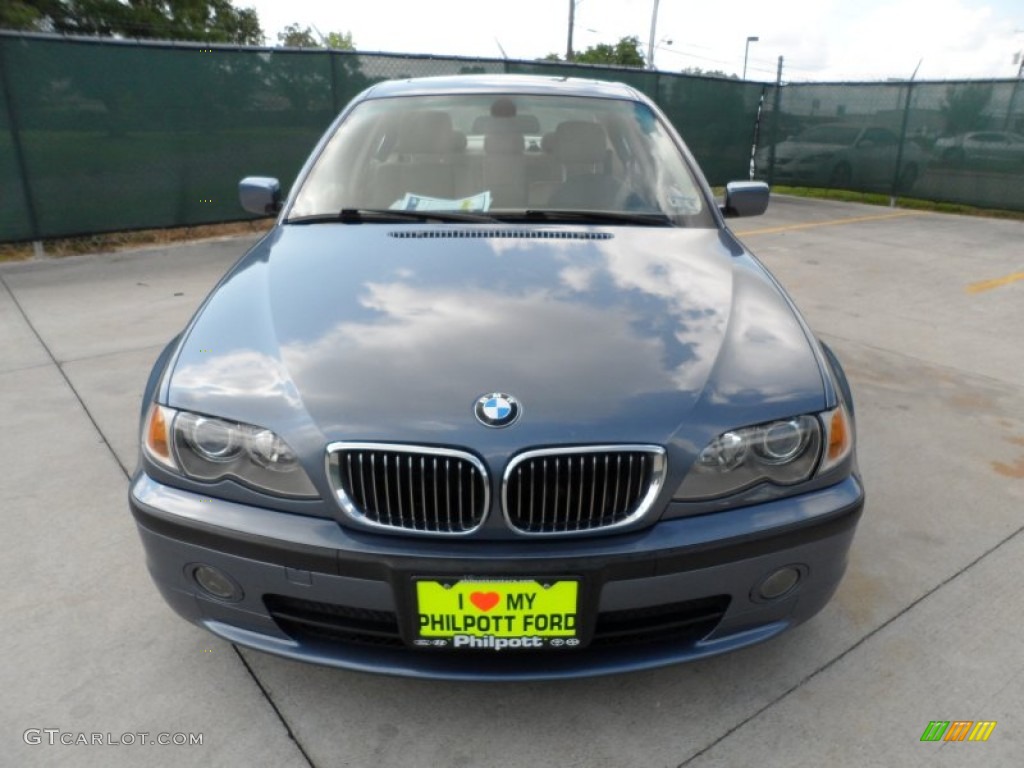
(157, 436)
(839, 441)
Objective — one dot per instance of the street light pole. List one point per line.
(1009, 125)
(746, 52)
(650, 44)
(572, 21)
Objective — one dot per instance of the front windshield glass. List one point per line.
(494, 154)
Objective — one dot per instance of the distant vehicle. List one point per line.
(995, 149)
(842, 155)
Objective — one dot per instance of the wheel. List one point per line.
(908, 178)
(954, 156)
(841, 176)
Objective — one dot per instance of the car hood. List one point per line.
(373, 332)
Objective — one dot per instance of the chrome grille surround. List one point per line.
(614, 486)
(415, 489)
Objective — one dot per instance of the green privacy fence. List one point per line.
(947, 141)
(102, 135)
(105, 135)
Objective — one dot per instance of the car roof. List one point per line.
(534, 84)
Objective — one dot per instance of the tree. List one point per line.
(965, 106)
(340, 41)
(20, 15)
(625, 53)
(709, 73)
(295, 36)
(207, 21)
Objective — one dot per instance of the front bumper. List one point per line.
(316, 591)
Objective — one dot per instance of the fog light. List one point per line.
(216, 583)
(778, 583)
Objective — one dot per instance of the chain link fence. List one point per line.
(960, 142)
(106, 135)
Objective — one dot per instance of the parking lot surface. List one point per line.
(925, 310)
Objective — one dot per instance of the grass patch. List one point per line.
(912, 203)
(119, 241)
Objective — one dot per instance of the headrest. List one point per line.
(578, 141)
(503, 107)
(503, 143)
(515, 124)
(428, 132)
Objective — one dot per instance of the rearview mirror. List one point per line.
(745, 198)
(260, 195)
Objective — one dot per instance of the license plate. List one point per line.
(478, 614)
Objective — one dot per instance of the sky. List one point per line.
(819, 39)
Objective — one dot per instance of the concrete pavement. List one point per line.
(926, 625)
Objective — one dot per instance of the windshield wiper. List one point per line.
(359, 215)
(646, 219)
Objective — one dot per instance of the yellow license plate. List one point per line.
(495, 615)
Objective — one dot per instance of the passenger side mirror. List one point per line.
(745, 198)
(260, 195)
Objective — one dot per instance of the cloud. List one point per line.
(820, 39)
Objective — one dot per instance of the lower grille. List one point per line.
(567, 490)
(682, 622)
(410, 488)
(690, 620)
(333, 623)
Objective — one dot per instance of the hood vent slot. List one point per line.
(496, 234)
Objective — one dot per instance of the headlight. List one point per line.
(207, 448)
(783, 452)
(212, 440)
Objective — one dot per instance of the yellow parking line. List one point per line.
(999, 282)
(829, 223)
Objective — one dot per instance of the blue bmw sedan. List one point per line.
(499, 396)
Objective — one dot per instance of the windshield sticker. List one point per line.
(479, 202)
(682, 203)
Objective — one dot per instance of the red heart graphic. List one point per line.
(485, 600)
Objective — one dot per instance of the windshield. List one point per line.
(498, 154)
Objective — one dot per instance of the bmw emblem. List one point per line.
(496, 409)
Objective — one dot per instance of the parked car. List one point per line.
(843, 155)
(505, 405)
(996, 150)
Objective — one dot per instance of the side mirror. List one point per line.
(260, 194)
(745, 198)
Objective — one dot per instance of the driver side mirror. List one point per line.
(260, 195)
(745, 198)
